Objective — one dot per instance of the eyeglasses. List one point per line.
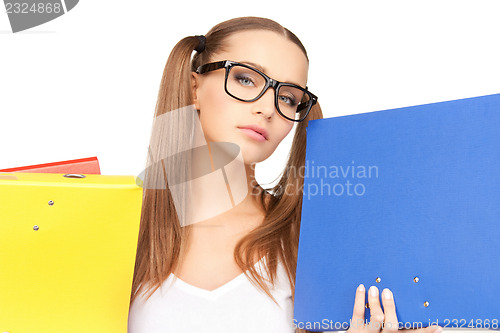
(248, 84)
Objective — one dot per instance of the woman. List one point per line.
(233, 271)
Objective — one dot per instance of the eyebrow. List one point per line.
(262, 69)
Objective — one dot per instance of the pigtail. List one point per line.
(161, 239)
(175, 86)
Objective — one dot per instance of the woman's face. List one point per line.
(224, 117)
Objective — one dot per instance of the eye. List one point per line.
(288, 100)
(245, 80)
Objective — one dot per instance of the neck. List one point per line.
(221, 184)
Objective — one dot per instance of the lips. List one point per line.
(252, 134)
(255, 128)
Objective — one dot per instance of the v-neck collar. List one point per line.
(211, 294)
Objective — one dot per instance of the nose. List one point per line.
(265, 104)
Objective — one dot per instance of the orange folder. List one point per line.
(89, 165)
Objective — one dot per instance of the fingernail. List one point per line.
(387, 294)
(439, 330)
(361, 287)
(373, 291)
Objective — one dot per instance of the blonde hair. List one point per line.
(161, 244)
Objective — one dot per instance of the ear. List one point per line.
(194, 89)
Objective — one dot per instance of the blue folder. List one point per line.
(406, 199)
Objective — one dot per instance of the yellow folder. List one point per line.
(67, 251)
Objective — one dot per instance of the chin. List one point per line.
(253, 157)
(251, 153)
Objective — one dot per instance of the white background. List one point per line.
(86, 84)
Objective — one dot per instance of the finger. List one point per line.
(358, 313)
(390, 317)
(376, 313)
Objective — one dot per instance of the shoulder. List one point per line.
(262, 198)
(267, 196)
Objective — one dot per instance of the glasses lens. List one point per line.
(245, 83)
(293, 102)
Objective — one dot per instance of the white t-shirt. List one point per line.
(237, 306)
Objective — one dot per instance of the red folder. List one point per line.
(89, 165)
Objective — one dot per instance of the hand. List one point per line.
(379, 321)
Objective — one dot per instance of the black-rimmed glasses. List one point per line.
(248, 84)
